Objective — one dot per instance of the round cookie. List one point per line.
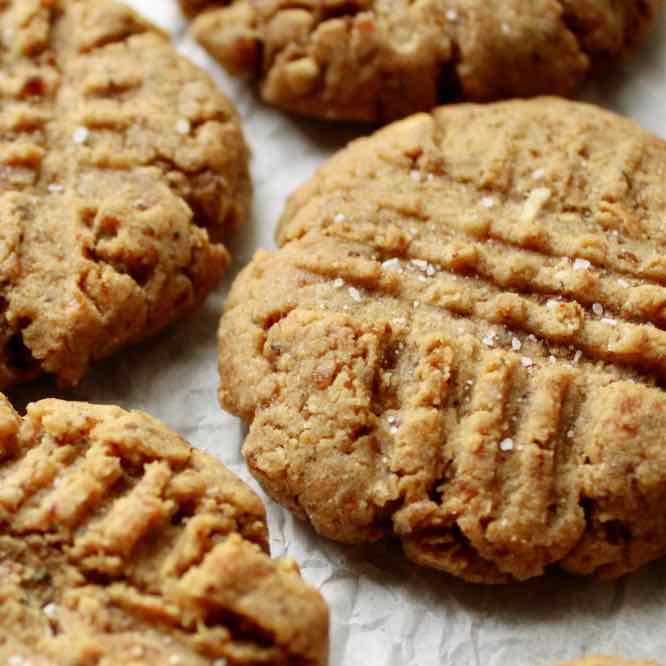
(462, 343)
(119, 543)
(378, 60)
(122, 167)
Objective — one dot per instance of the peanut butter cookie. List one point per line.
(120, 544)
(121, 169)
(462, 343)
(377, 60)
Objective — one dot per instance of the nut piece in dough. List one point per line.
(119, 543)
(122, 167)
(378, 60)
(462, 343)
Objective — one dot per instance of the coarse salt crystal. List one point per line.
(577, 356)
(413, 231)
(581, 264)
(552, 303)
(50, 610)
(452, 15)
(80, 134)
(489, 340)
(527, 362)
(419, 263)
(598, 309)
(393, 430)
(338, 282)
(391, 264)
(623, 283)
(416, 304)
(516, 344)
(339, 217)
(415, 175)
(609, 321)
(506, 444)
(538, 174)
(431, 177)
(355, 294)
(488, 202)
(183, 126)
(552, 359)
(56, 188)
(430, 271)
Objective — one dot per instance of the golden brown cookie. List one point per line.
(377, 60)
(121, 169)
(462, 343)
(120, 544)
(608, 661)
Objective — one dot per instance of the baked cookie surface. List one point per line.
(461, 343)
(377, 60)
(121, 169)
(120, 544)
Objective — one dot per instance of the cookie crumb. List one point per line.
(80, 135)
(183, 126)
(506, 444)
(355, 294)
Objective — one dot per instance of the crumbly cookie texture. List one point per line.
(377, 60)
(119, 543)
(608, 661)
(461, 343)
(121, 168)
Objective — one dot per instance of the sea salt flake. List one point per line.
(339, 217)
(527, 362)
(623, 283)
(80, 135)
(506, 444)
(413, 231)
(393, 430)
(538, 174)
(338, 283)
(391, 264)
(50, 610)
(552, 359)
(452, 15)
(488, 202)
(552, 303)
(183, 126)
(55, 188)
(489, 340)
(422, 278)
(430, 271)
(355, 294)
(581, 264)
(598, 309)
(416, 304)
(516, 344)
(577, 356)
(609, 321)
(415, 175)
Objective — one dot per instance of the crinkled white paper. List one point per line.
(385, 612)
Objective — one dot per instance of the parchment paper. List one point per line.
(385, 611)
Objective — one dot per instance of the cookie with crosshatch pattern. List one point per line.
(461, 343)
(119, 543)
(122, 168)
(377, 60)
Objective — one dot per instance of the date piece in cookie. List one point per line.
(122, 167)
(377, 60)
(462, 343)
(120, 544)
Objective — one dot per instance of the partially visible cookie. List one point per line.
(122, 167)
(377, 60)
(608, 661)
(462, 343)
(120, 544)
